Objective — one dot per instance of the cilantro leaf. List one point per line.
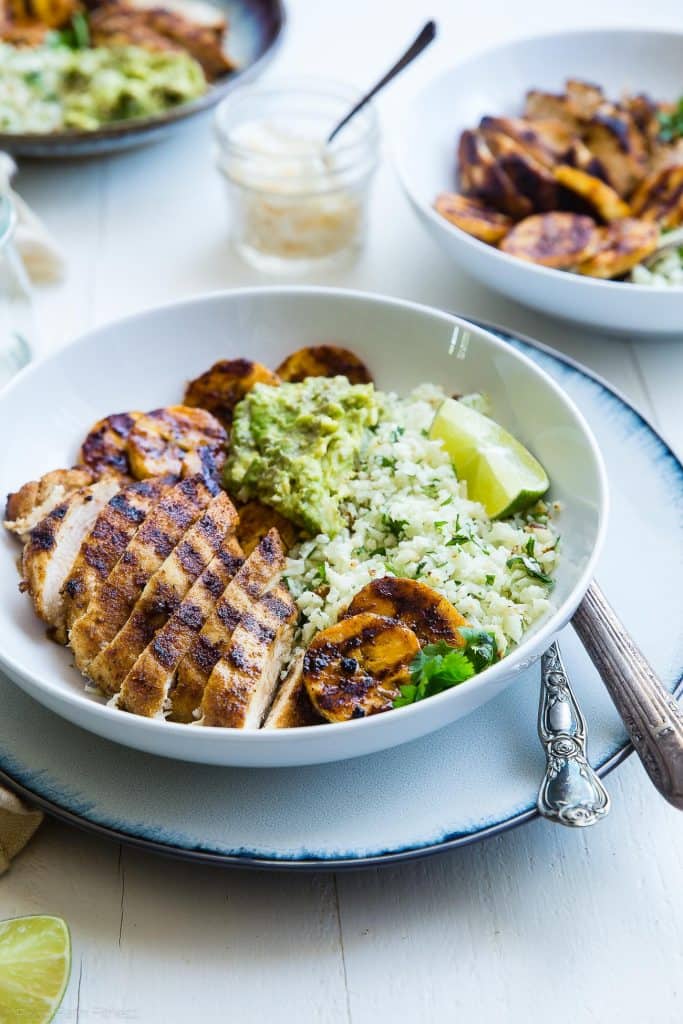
(440, 667)
(671, 123)
(531, 567)
(480, 647)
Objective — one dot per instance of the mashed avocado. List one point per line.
(293, 447)
(54, 88)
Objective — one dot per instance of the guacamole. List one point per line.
(294, 446)
(54, 88)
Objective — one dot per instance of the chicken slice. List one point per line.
(54, 543)
(545, 141)
(32, 502)
(559, 240)
(584, 97)
(625, 244)
(473, 216)
(105, 447)
(242, 683)
(660, 198)
(163, 593)
(164, 440)
(612, 136)
(256, 520)
(114, 528)
(225, 384)
(292, 706)
(606, 203)
(480, 176)
(543, 106)
(356, 667)
(529, 177)
(324, 361)
(645, 114)
(261, 571)
(145, 689)
(162, 529)
(429, 614)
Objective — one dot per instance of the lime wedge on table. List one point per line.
(35, 961)
(500, 472)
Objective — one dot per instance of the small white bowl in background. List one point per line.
(495, 82)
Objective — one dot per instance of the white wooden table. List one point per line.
(540, 922)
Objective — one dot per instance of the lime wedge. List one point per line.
(35, 961)
(500, 472)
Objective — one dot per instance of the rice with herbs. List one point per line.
(408, 515)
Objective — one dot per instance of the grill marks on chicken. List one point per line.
(26, 507)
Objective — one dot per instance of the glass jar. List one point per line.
(16, 318)
(296, 203)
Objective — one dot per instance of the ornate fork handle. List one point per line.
(652, 716)
(571, 793)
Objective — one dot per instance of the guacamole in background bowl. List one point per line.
(56, 88)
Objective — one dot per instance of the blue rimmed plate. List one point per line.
(464, 783)
(255, 31)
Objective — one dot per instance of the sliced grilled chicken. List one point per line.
(429, 614)
(256, 520)
(355, 668)
(292, 706)
(242, 683)
(103, 546)
(162, 529)
(480, 176)
(612, 136)
(473, 216)
(162, 441)
(225, 384)
(54, 543)
(645, 114)
(145, 689)
(660, 198)
(545, 141)
(560, 240)
(606, 203)
(324, 361)
(26, 507)
(543, 106)
(261, 571)
(529, 177)
(625, 244)
(163, 593)
(105, 447)
(579, 155)
(584, 97)
(666, 154)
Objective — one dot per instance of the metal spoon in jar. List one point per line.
(425, 37)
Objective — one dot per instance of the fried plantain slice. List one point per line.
(607, 203)
(530, 178)
(355, 668)
(164, 440)
(473, 216)
(429, 614)
(256, 520)
(105, 448)
(324, 361)
(625, 244)
(481, 176)
(225, 384)
(660, 197)
(559, 240)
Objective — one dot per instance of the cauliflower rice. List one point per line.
(408, 515)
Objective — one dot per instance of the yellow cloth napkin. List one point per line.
(17, 825)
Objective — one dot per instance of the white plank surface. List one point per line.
(575, 927)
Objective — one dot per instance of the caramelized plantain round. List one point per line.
(256, 520)
(355, 668)
(225, 384)
(660, 197)
(323, 361)
(559, 240)
(607, 203)
(429, 614)
(105, 447)
(473, 216)
(625, 244)
(174, 441)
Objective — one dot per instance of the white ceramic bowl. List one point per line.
(495, 82)
(143, 362)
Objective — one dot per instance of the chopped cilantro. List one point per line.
(490, 580)
(440, 667)
(394, 526)
(321, 573)
(531, 567)
(671, 123)
(388, 463)
(396, 433)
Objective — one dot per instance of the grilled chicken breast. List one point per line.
(241, 685)
(481, 176)
(114, 528)
(162, 529)
(473, 216)
(612, 136)
(545, 141)
(625, 244)
(145, 689)
(163, 593)
(584, 97)
(355, 668)
(261, 571)
(324, 361)
(529, 177)
(292, 706)
(429, 614)
(54, 543)
(225, 384)
(543, 106)
(560, 240)
(26, 507)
